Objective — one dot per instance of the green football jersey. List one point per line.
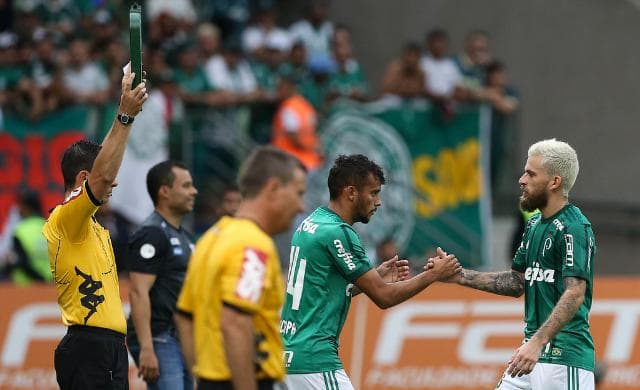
(326, 258)
(552, 249)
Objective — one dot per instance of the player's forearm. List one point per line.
(141, 315)
(107, 163)
(399, 292)
(509, 283)
(564, 311)
(239, 350)
(184, 325)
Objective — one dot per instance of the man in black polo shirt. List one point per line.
(157, 256)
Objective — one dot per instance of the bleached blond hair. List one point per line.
(558, 159)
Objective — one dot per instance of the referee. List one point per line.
(92, 355)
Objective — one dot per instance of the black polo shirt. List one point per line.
(160, 249)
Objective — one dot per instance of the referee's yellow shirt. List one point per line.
(234, 263)
(83, 265)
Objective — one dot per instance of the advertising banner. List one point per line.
(448, 337)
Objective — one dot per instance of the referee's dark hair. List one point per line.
(78, 157)
(352, 170)
(160, 175)
(263, 163)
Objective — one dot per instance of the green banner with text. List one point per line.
(434, 195)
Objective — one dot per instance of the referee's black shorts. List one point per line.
(92, 358)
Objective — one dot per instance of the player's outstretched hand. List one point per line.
(445, 266)
(525, 358)
(394, 270)
(132, 99)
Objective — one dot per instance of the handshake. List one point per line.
(444, 267)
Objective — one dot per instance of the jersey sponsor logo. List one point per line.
(308, 226)
(251, 281)
(88, 288)
(558, 224)
(288, 358)
(537, 274)
(347, 257)
(147, 251)
(548, 242)
(177, 251)
(288, 327)
(174, 241)
(73, 195)
(348, 290)
(568, 239)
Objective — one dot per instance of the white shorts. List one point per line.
(328, 380)
(546, 376)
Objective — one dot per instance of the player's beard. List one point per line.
(363, 213)
(534, 200)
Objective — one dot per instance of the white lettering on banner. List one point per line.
(35, 378)
(24, 328)
(400, 324)
(397, 327)
(623, 376)
(432, 377)
(473, 349)
(622, 336)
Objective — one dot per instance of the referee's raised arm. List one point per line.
(106, 166)
(93, 353)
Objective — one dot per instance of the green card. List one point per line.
(135, 41)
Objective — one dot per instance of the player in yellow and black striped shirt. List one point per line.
(93, 354)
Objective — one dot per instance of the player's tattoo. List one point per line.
(565, 309)
(510, 283)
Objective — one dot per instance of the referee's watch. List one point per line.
(125, 119)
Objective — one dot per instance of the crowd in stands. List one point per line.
(228, 66)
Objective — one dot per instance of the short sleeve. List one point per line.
(520, 257)
(576, 250)
(244, 276)
(347, 253)
(71, 219)
(147, 250)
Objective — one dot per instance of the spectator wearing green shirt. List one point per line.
(296, 65)
(317, 89)
(348, 80)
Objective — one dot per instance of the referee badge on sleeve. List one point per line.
(147, 251)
